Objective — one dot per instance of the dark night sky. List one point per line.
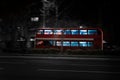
(78, 9)
(93, 11)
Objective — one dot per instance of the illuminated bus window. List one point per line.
(66, 31)
(90, 44)
(58, 43)
(83, 32)
(83, 44)
(66, 43)
(58, 32)
(91, 32)
(74, 32)
(74, 43)
(40, 32)
(48, 32)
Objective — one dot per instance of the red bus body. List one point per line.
(69, 38)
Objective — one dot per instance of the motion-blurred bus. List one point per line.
(69, 38)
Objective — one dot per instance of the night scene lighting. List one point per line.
(59, 39)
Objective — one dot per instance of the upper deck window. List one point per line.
(67, 32)
(74, 32)
(48, 32)
(58, 32)
(83, 32)
(92, 32)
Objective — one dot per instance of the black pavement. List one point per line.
(59, 66)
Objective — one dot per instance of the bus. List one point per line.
(69, 38)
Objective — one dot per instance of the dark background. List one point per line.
(104, 13)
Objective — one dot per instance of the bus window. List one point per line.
(48, 32)
(51, 42)
(58, 43)
(66, 32)
(40, 32)
(83, 44)
(74, 43)
(83, 32)
(66, 43)
(54, 43)
(58, 32)
(90, 44)
(92, 32)
(74, 32)
(44, 43)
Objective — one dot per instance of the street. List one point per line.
(35, 67)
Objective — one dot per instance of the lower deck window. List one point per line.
(66, 43)
(58, 43)
(90, 44)
(74, 43)
(44, 43)
(85, 44)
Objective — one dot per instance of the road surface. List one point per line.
(36, 67)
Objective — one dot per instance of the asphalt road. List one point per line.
(28, 67)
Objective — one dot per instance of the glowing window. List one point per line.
(58, 43)
(91, 32)
(74, 43)
(83, 44)
(58, 32)
(48, 32)
(66, 43)
(83, 32)
(67, 32)
(74, 32)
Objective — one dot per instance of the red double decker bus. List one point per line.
(69, 38)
